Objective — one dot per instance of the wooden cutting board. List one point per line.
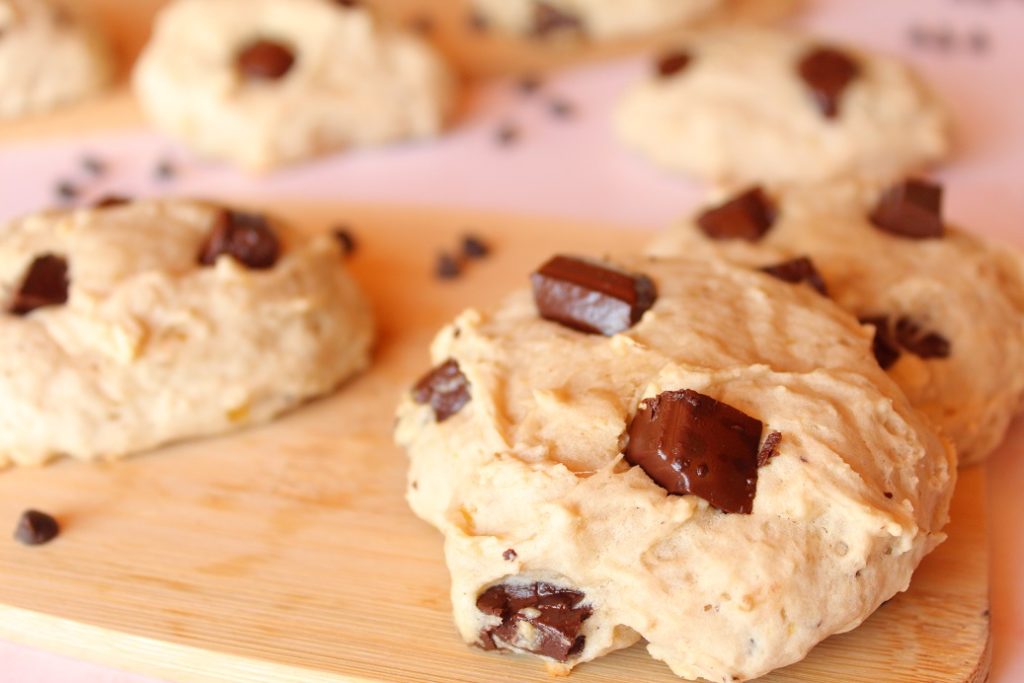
(286, 552)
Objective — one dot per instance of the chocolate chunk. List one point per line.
(888, 494)
(509, 555)
(556, 615)
(447, 267)
(264, 60)
(474, 247)
(110, 200)
(911, 209)
(346, 240)
(45, 284)
(746, 217)
(670, 64)
(689, 443)
(590, 297)
(445, 389)
(247, 237)
(769, 449)
(883, 345)
(548, 19)
(36, 528)
(921, 343)
(797, 271)
(828, 72)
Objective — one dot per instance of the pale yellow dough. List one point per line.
(151, 347)
(533, 463)
(355, 81)
(967, 289)
(741, 113)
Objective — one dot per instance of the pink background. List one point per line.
(574, 168)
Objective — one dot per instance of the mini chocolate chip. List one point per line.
(797, 271)
(164, 170)
(36, 528)
(246, 237)
(509, 555)
(590, 297)
(94, 166)
(747, 216)
(677, 432)
(828, 72)
(769, 449)
(447, 267)
(561, 109)
(671, 63)
(445, 389)
(346, 240)
(921, 343)
(66, 191)
(110, 200)
(45, 284)
(530, 83)
(264, 60)
(888, 494)
(548, 19)
(883, 345)
(911, 209)
(556, 615)
(507, 134)
(475, 248)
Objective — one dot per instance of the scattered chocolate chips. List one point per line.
(45, 284)
(911, 209)
(828, 72)
(689, 443)
(769, 449)
(548, 19)
(246, 237)
(346, 240)
(556, 615)
(590, 297)
(672, 63)
(474, 247)
(883, 345)
(747, 216)
(264, 60)
(110, 200)
(445, 389)
(36, 528)
(447, 267)
(921, 343)
(797, 271)
(509, 555)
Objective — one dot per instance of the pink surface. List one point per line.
(971, 50)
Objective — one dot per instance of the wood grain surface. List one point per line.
(286, 553)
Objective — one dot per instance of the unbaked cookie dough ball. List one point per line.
(264, 83)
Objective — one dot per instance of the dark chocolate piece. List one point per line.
(798, 271)
(548, 19)
(264, 60)
(769, 449)
(747, 216)
(474, 247)
(556, 615)
(920, 342)
(445, 389)
(911, 209)
(888, 494)
(110, 200)
(590, 297)
(828, 72)
(670, 64)
(884, 346)
(447, 267)
(247, 237)
(689, 443)
(346, 240)
(45, 284)
(509, 555)
(36, 528)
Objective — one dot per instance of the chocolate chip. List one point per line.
(45, 284)
(110, 200)
(36, 528)
(746, 217)
(346, 240)
(447, 267)
(548, 19)
(828, 72)
(556, 615)
(561, 109)
(94, 166)
(590, 297)
(769, 449)
(798, 271)
(66, 191)
(920, 342)
(509, 555)
(445, 389)
(911, 209)
(246, 237)
(888, 494)
(689, 443)
(507, 134)
(264, 60)
(883, 345)
(670, 64)
(475, 248)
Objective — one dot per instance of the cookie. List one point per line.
(947, 306)
(263, 83)
(757, 105)
(137, 324)
(48, 58)
(687, 452)
(590, 19)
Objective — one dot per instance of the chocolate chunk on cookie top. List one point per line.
(264, 60)
(911, 209)
(689, 443)
(445, 389)
(828, 72)
(45, 284)
(246, 237)
(920, 342)
(672, 63)
(749, 216)
(591, 297)
(537, 617)
(798, 271)
(36, 528)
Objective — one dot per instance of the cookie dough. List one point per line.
(264, 83)
(545, 452)
(126, 327)
(757, 105)
(593, 19)
(949, 306)
(48, 57)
